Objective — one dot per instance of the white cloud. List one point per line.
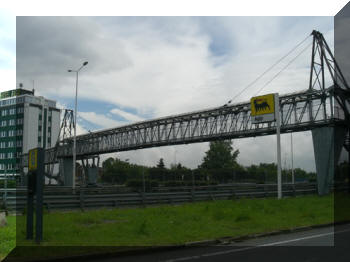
(159, 66)
(100, 120)
(127, 115)
(8, 79)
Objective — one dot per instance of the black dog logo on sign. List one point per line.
(261, 106)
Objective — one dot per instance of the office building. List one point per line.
(26, 122)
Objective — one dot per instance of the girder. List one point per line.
(227, 122)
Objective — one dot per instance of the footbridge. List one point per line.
(324, 110)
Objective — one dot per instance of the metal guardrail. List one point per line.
(83, 198)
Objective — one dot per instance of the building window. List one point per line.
(19, 132)
(11, 132)
(20, 110)
(39, 128)
(11, 122)
(2, 155)
(3, 123)
(12, 111)
(2, 144)
(19, 143)
(20, 121)
(3, 134)
(39, 139)
(4, 112)
(40, 117)
(10, 144)
(10, 155)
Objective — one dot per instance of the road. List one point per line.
(322, 244)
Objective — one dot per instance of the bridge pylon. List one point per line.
(328, 141)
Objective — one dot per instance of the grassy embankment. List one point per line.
(7, 237)
(168, 225)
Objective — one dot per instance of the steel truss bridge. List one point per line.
(315, 107)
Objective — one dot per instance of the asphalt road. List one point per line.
(322, 244)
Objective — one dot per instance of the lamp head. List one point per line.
(85, 63)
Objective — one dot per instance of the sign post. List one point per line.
(35, 186)
(266, 109)
(278, 132)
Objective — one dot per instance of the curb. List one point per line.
(272, 233)
(147, 250)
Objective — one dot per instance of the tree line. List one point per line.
(218, 166)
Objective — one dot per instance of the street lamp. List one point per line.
(75, 120)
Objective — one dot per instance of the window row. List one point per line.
(9, 166)
(11, 122)
(9, 155)
(11, 133)
(12, 111)
(10, 144)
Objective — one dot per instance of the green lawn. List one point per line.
(7, 237)
(167, 225)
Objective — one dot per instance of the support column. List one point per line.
(328, 142)
(66, 169)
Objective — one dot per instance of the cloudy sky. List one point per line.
(147, 67)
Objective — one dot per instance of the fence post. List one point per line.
(81, 198)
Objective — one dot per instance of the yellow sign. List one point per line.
(261, 105)
(33, 159)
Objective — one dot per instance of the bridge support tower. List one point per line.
(328, 143)
(66, 171)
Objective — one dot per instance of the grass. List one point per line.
(169, 225)
(7, 237)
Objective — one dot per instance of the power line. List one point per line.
(267, 70)
(291, 61)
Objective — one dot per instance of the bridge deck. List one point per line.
(299, 111)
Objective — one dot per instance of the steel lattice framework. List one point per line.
(315, 107)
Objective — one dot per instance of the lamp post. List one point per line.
(75, 120)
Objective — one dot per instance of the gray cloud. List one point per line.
(166, 65)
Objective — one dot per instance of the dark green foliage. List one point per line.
(161, 164)
(220, 155)
(219, 166)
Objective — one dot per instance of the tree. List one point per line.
(161, 163)
(220, 155)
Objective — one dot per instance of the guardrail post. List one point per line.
(143, 198)
(192, 194)
(293, 188)
(81, 198)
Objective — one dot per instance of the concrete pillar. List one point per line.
(66, 169)
(92, 175)
(328, 142)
